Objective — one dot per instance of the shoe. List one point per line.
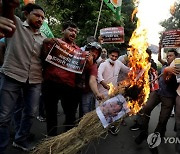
(141, 137)
(23, 146)
(114, 130)
(135, 127)
(41, 119)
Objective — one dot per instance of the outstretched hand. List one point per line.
(172, 70)
(99, 96)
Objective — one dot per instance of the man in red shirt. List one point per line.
(59, 84)
(89, 91)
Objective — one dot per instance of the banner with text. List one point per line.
(171, 39)
(67, 57)
(112, 35)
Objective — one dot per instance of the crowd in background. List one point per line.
(29, 83)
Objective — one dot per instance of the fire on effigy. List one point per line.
(131, 94)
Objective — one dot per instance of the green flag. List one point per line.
(115, 6)
(46, 30)
(118, 13)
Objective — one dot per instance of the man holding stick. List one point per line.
(166, 95)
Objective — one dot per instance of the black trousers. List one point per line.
(167, 104)
(53, 92)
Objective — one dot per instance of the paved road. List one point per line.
(123, 143)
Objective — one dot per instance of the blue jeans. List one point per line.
(10, 90)
(87, 103)
(18, 111)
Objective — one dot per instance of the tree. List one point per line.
(85, 14)
(174, 21)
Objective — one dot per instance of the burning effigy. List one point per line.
(132, 94)
(128, 97)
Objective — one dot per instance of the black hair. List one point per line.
(30, 7)
(175, 51)
(68, 24)
(149, 52)
(114, 49)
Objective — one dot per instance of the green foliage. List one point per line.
(85, 15)
(174, 21)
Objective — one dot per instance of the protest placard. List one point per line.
(67, 57)
(171, 39)
(112, 35)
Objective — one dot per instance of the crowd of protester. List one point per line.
(29, 83)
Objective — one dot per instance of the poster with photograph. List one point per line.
(112, 110)
(171, 39)
(112, 35)
(67, 57)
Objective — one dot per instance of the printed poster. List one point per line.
(112, 35)
(171, 39)
(67, 57)
(112, 110)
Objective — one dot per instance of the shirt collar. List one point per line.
(25, 23)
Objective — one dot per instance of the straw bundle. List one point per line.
(72, 141)
(88, 129)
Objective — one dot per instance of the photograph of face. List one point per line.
(112, 110)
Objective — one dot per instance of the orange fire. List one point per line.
(112, 89)
(138, 62)
(173, 8)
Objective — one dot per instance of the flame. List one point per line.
(112, 89)
(139, 64)
(173, 8)
(133, 14)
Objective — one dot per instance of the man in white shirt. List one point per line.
(109, 70)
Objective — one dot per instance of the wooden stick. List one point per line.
(156, 78)
(98, 19)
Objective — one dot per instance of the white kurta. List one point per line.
(109, 73)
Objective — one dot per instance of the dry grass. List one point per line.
(70, 142)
